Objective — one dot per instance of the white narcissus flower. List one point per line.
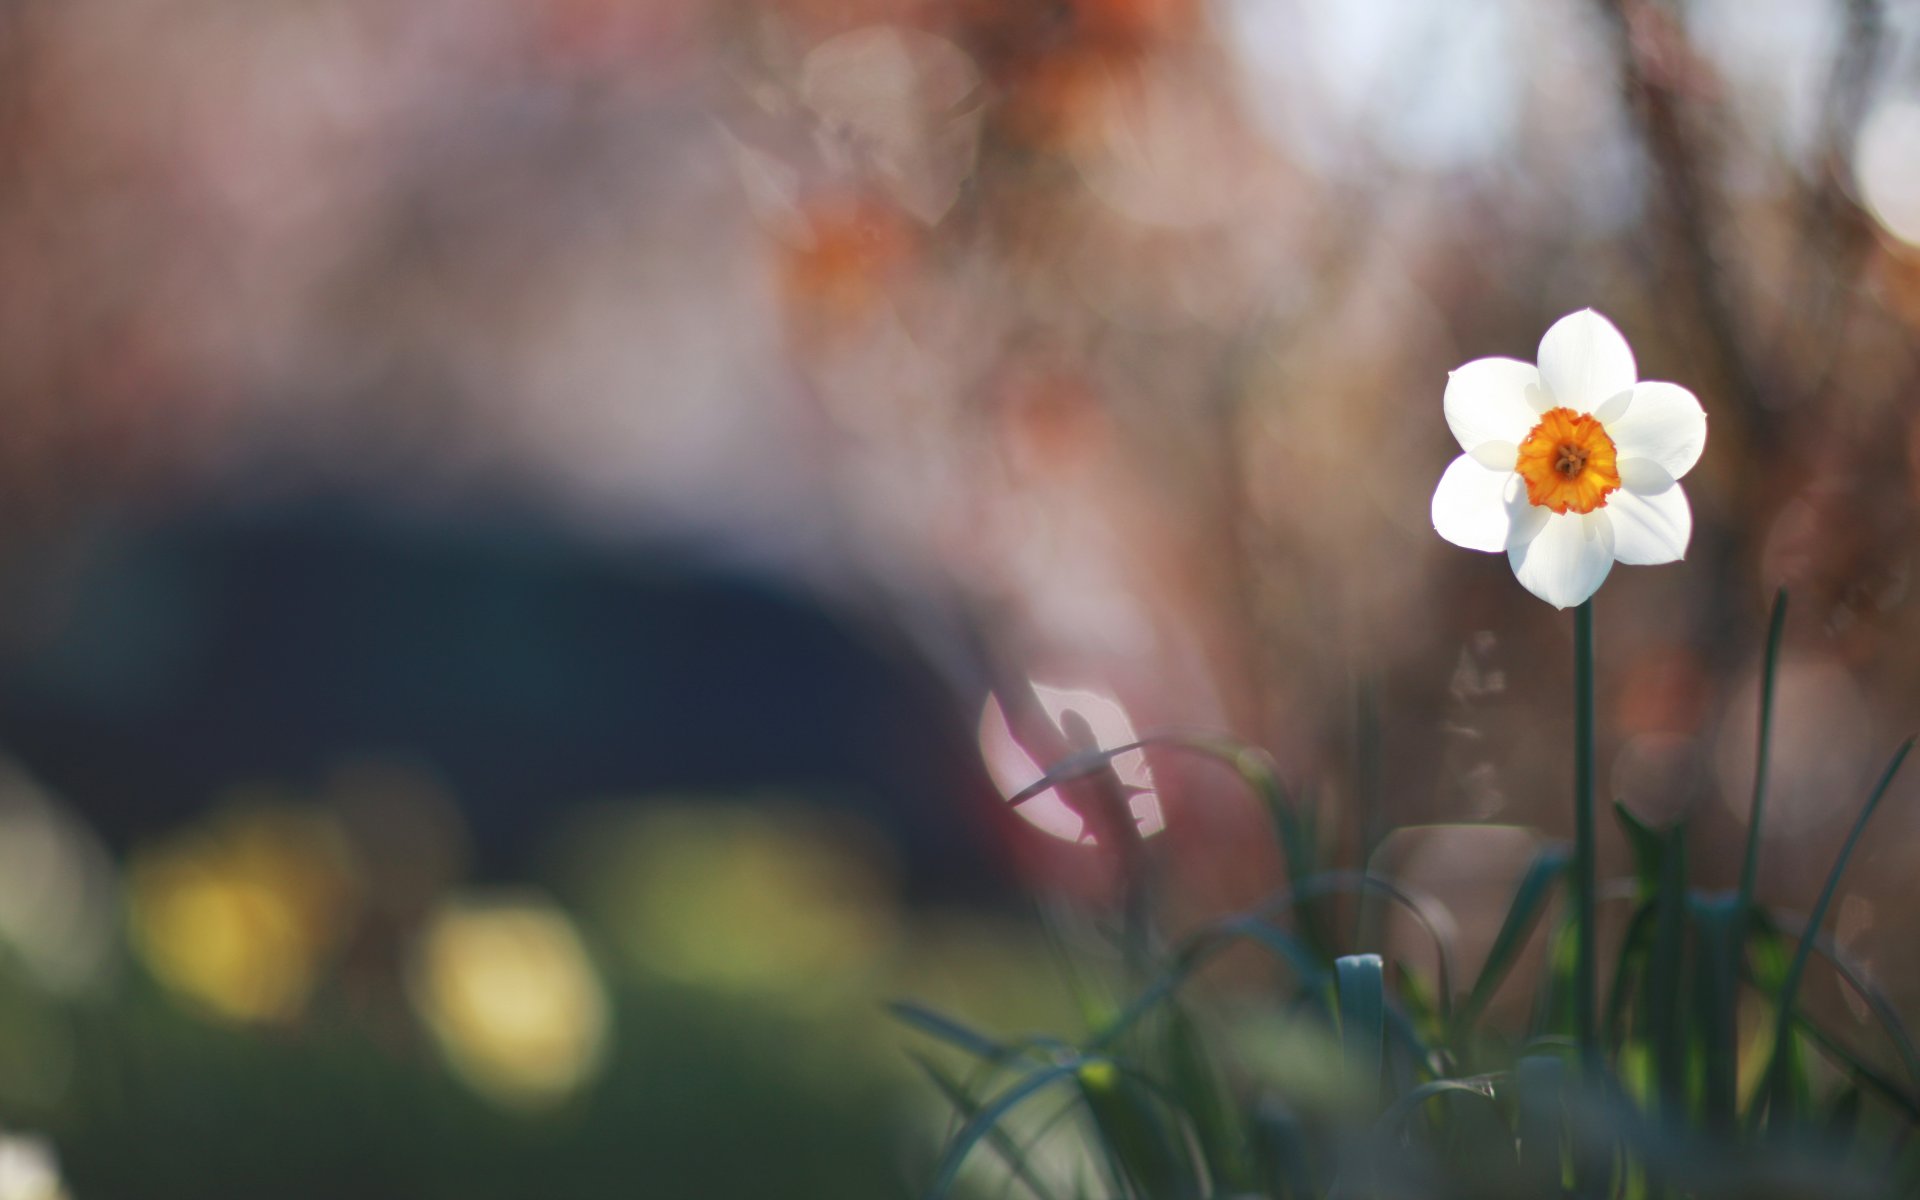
(1570, 466)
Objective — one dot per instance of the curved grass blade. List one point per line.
(1292, 828)
(1001, 1142)
(1158, 1161)
(1644, 843)
(1868, 1076)
(1750, 864)
(1523, 915)
(988, 1118)
(1041, 1132)
(948, 1030)
(1196, 1085)
(1197, 951)
(1876, 1000)
(1359, 881)
(1776, 1094)
(1406, 1106)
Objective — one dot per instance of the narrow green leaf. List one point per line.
(1843, 1117)
(1196, 1084)
(1666, 1032)
(1293, 825)
(1129, 1120)
(1644, 843)
(1717, 921)
(988, 1118)
(1200, 948)
(1286, 1152)
(1750, 864)
(1529, 902)
(1361, 982)
(1541, 1083)
(1369, 808)
(963, 1103)
(1406, 1106)
(1877, 1003)
(1553, 1002)
(1628, 968)
(1770, 975)
(1775, 1087)
(947, 1030)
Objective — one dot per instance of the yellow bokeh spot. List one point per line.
(510, 993)
(240, 916)
(747, 900)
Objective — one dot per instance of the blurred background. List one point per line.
(535, 537)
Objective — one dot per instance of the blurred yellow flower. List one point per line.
(240, 915)
(509, 991)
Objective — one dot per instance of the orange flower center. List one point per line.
(1568, 462)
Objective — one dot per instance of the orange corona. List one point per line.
(1568, 462)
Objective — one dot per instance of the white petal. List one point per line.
(1496, 456)
(1650, 529)
(1471, 505)
(1664, 423)
(1585, 362)
(1568, 560)
(1644, 476)
(1614, 408)
(1528, 518)
(1486, 401)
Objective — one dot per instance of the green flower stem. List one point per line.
(1585, 976)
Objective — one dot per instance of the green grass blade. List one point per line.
(1644, 842)
(1195, 1083)
(1196, 952)
(1254, 926)
(1666, 1031)
(1750, 864)
(1293, 826)
(1127, 1114)
(1629, 967)
(1529, 903)
(1879, 1005)
(997, 1138)
(1869, 1077)
(988, 1117)
(1778, 1095)
(948, 1030)
(1717, 921)
(1541, 1082)
(1360, 882)
(1406, 1106)
(1854, 978)
(1369, 807)
(1286, 1153)
(1361, 983)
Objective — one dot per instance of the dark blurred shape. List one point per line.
(528, 669)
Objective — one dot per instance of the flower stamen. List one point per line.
(1568, 462)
